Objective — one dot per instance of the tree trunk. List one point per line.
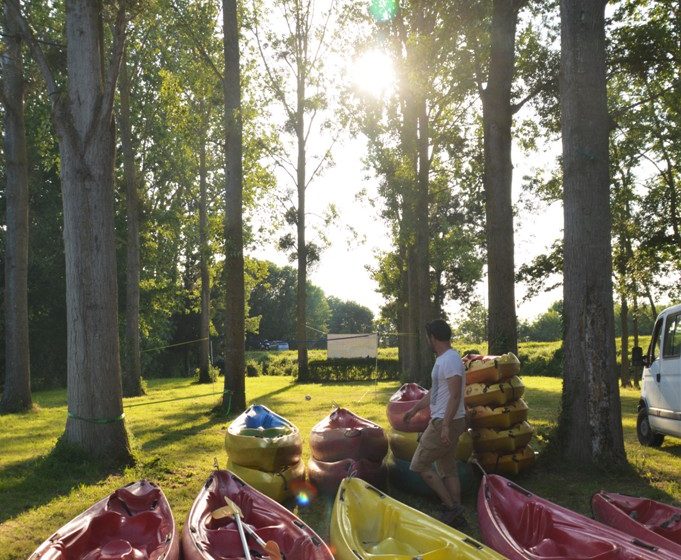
(301, 293)
(497, 121)
(132, 373)
(204, 331)
(403, 317)
(16, 395)
(235, 349)
(625, 378)
(590, 424)
(424, 302)
(651, 301)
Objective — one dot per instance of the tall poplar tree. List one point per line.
(16, 394)
(590, 424)
(234, 244)
(83, 119)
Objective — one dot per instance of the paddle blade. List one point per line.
(273, 551)
(221, 513)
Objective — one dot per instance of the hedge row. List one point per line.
(355, 369)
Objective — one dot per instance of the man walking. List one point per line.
(448, 421)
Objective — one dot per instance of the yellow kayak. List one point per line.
(499, 417)
(404, 444)
(507, 463)
(274, 485)
(504, 441)
(261, 439)
(367, 524)
(497, 394)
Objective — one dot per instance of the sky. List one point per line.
(342, 269)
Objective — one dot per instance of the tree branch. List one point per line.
(198, 45)
(536, 90)
(326, 156)
(36, 51)
(119, 33)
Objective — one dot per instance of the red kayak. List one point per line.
(327, 477)
(521, 526)
(206, 538)
(402, 401)
(133, 523)
(651, 521)
(344, 435)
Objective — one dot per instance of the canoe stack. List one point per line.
(497, 414)
(345, 444)
(404, 438)
(264, 449)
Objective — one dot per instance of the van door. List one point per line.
(652, 377)
(670, 375)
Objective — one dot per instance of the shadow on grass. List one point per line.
(171, 434)
(37, 481)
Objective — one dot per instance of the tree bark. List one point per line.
(235, 349)
(422, 261)
(16, 394)
(132, 373)
(301, 178)
(625, 378)
(590, 424)
(204, 330)
(497, 121)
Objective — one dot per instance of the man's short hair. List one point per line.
(439, 329)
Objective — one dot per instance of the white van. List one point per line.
(659, 410)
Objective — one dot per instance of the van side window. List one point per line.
(655, 343)
(672, 336)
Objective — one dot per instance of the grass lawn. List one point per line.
(178, 441)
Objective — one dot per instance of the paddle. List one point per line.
(231, 509)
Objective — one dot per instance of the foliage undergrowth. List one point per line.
(177, 442)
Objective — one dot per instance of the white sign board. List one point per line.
(352, 345)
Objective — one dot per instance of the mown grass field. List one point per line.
(178, 441)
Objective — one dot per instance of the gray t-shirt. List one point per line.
(446, 366)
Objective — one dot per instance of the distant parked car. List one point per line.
(659, 410)
(277, 345)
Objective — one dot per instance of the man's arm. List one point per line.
(455, 386)
(423, 403)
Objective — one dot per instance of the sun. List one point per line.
(373, 73)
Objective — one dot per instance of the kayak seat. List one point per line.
(114, 535)
(126, 502)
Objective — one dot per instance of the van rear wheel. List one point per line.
(646, 435)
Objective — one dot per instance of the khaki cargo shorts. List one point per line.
(431, 449)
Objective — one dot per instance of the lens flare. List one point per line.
(304, 492)
(302, 499)
(383, 10)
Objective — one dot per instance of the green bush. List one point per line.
(354, 369)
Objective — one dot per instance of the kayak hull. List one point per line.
(649, 520)
(261, 439)
(403, 445)
(402, 477)
(497, 394)
(401, 402)
(133, 523)
(500, 417)
(344, 435)
(366, 524)
(207, 538)
(509, 464)
(523, 526)
(502, 441)
(326, 476)
(278, 486)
